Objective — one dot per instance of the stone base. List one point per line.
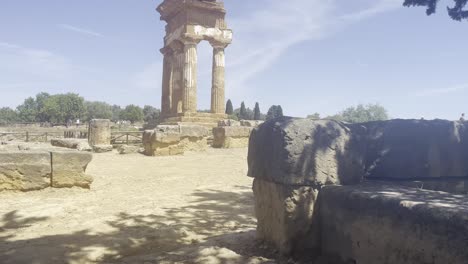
(204, 119)
(231, 137)
(373, 223)
(285, 216)
(169, 140)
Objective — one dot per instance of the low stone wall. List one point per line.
(35, 170)
(292, 160)
(168, 140)
(378, 223)
(231, 137)
(78, 144)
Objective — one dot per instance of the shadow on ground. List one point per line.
(216, 227)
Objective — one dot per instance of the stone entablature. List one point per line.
(188, 23)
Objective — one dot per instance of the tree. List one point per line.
(314, 116)
(98, 110)
(41, 99)
(229, 107)
(257, 113)
(8, 115)
(457, 12)
(362, 113)
(243, 112)
(28, 111)
(279, 111)
(61, 108)
(116, 110)
(151, 114)
(275, 111)
(132, 113)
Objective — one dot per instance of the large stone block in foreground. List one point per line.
(305, 152)
(231, 137)
(24, 171)
(168, 140)
(387, 224)
(68, 169)
(290, 158)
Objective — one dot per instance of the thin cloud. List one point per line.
(80, 30)
(296, 21)
(442, 91)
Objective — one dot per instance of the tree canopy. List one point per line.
(132, 113)
(362, 113)
(275, 111)
(457, 12)
(98, 110)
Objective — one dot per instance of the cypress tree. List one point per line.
(257, 112)
(243, 111)
(229, 107)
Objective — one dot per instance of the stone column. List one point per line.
(177, 80)
(166, 98)
(190, 78)
(217, 89)
(99, 135)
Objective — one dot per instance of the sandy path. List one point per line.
(195, 208)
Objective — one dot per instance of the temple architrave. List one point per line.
(188, 23)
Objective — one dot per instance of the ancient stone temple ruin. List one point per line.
(188, 23)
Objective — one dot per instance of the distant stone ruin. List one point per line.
(188, 23)
(379, 192)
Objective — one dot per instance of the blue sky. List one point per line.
(307, 55)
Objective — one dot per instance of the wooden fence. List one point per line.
(126, 137)
(29, 136)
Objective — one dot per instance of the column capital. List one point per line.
(167, 50)
(218, 45)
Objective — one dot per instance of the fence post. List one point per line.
(46, 136)
(27, 136)
(127, 138)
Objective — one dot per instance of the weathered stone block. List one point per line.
(285, 216)
(68, 169)
(388, 224)
(99, 132)
(416, 149)
(102, 148)
(305, 152)
(128, 149)
(170, 140)
(231, 137)
(24, 171)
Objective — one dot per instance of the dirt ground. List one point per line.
(196, 208)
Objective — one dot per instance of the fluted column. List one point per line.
(190, 79)
(217, 89)
(166, 98)
(177, 80)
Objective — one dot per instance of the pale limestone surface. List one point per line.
(69, 169)
(231, 137)
(24, 171)
(175, 140)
